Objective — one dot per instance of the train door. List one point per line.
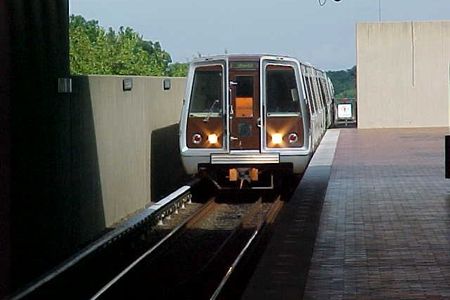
(244, 111)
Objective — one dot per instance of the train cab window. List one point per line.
(207, 91)
(281, 90)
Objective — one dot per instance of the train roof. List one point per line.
(251, 57)
(245, 57)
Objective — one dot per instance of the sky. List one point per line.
(321, 35)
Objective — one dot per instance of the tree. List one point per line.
(344, 82)
(88, 47)
(95, 51)
(160, 59)
(178, 69)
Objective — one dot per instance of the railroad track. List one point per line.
(198, 257)
(83, 274)
(195, 248)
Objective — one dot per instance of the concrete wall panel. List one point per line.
(124, 122)
(403, 74)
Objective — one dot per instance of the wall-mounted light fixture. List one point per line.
(65, 85)
(166, 84)
(127, 84)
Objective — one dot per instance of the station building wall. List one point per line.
(403, 74)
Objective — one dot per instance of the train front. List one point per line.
(244, 122)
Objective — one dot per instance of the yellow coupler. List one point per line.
(234, 175)
(254, 174)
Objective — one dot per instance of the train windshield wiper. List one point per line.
(206, 119)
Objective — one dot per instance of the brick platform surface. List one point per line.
(384, 230)
(282, 270)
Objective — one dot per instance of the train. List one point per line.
(249, 121)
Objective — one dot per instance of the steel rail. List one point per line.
(234, 234)
(190, 222)
(268, 219)
(153, 213)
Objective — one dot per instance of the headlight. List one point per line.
(277, 138)
(293, 138)
(196, 138)
(212, 138)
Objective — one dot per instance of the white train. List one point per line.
(248, 120)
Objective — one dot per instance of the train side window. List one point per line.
(316, 93)
(207, 91)
(321, 93)
(324, 91)
(310, 94)
(305, 93)
(281, 90)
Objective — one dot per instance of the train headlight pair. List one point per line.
(277, 138)
(197, 138)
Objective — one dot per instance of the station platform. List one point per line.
(369, 220)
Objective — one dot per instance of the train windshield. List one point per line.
(281, 89)
(207, 91)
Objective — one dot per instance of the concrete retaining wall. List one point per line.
(123, 122)
(403, 74)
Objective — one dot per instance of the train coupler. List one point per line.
(243, 179)
(243, 174)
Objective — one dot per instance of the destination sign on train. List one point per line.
(244, 65)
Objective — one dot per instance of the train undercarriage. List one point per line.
(255, 177)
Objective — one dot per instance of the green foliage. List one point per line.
(159, 58)
(178, 69)
(93, 50)
(344, 82)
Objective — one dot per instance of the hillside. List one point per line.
(344, 82)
